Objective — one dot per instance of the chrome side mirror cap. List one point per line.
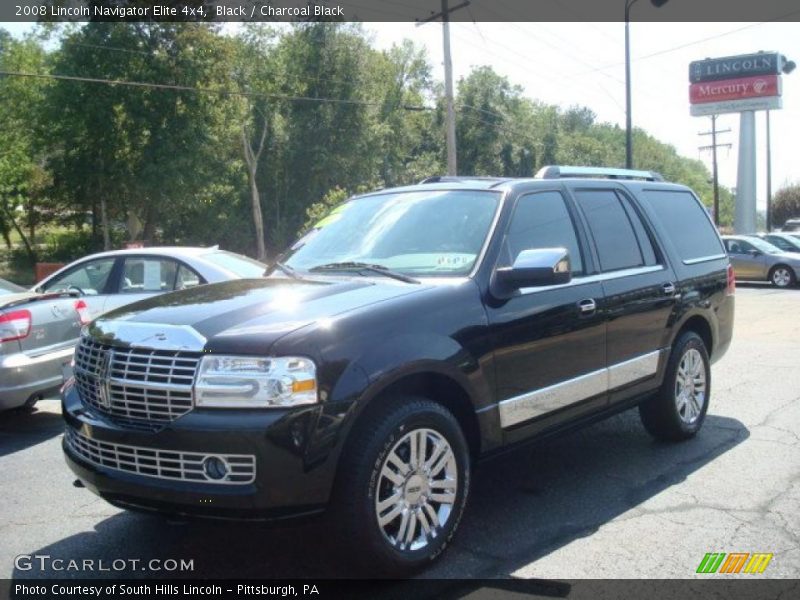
(536, 267)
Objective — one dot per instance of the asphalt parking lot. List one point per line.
(605, 502)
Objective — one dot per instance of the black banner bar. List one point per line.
(394, 10)
(710, 586)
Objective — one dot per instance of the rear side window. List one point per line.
(612, 229)
(686, 222)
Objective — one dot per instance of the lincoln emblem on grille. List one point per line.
(103, 375)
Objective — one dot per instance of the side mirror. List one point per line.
(754, 252)
(536, 267)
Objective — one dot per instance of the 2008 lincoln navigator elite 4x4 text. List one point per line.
(410, 333)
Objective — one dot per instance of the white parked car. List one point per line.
(108, 280)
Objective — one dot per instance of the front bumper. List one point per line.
(285, 482)
(23, 375)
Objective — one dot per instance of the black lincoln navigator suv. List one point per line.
(410, 333)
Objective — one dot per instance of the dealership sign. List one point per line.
(735, 83)
(733, 67)
(731, 106)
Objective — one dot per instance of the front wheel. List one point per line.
(678, 409)
(781, 276)
(403, 486)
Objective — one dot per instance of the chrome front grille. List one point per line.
(135, 385)
(163, 464)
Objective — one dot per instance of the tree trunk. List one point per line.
(4, 231)
(252, 158)
(22, 236)
(104, 224)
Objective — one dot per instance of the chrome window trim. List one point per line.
(596, 278)
(542, 401)
(701, 259)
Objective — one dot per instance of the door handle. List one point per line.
(587, 306)
(669, 289)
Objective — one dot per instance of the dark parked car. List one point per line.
(411, 333)
(784, 241)
(38, 334)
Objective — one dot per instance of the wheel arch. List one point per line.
(701, 325)
(430, 382)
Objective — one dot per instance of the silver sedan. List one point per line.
(754, 259)
(38, 333)
(109, 280)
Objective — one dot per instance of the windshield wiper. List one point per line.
(359, 266)
(283, 268)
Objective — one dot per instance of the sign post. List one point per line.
(744, 220)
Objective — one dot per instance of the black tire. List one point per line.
(792, 279)
(354, 510)
(661, 414)
(30, 404)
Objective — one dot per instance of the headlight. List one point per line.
(252, 382)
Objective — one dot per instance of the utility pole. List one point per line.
(450, 125)
(715, 170)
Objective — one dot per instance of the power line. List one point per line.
(686, 45)
(186, 88)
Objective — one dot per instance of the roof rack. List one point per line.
(559, 172)
(457, 178)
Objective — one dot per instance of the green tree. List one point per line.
(23, 178)
(786, 204)
(142, 155)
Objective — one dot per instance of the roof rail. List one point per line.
(558, 172)
(456, 178)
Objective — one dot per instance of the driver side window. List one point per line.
(542, 220)
(91, 278)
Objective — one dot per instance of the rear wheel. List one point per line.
(782, 276)
(403, 486)
(679, 408)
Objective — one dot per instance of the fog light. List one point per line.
(215, 468)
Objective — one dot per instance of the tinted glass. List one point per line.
(787, 243)
(617, 245)
(90, 278)
(686, 222)
(431, 232)
(645, 243)
(239, 265)
(542, 221)
(145, 275)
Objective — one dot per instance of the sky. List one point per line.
(583, 63)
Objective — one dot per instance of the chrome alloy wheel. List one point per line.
(417, 488)
(690, 386)
(781, 277)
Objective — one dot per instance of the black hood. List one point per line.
(251, 310)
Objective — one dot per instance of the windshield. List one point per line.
(765, 247)
(241, 266)
(433, 233)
